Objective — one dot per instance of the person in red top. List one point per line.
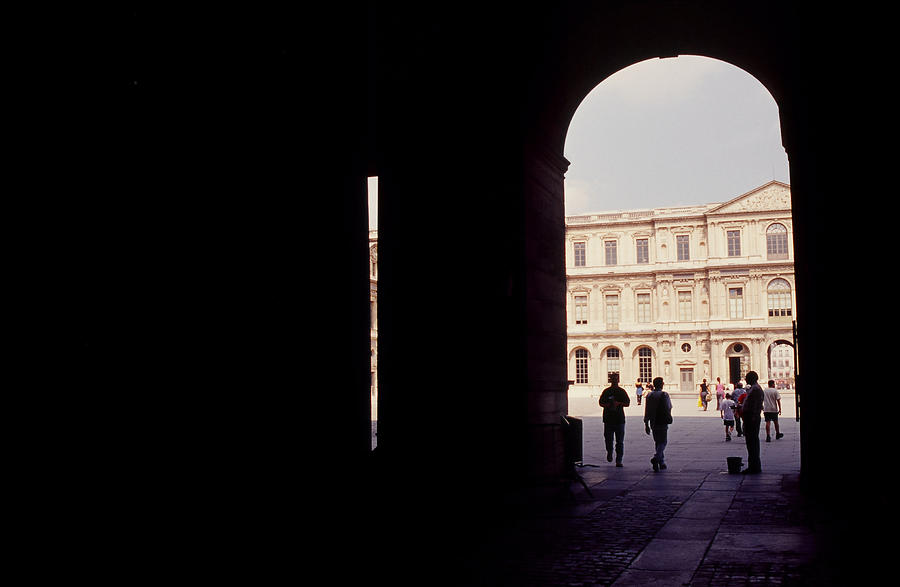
(739, 395)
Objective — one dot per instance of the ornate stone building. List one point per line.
(684, 293)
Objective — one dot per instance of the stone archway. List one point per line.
(781, 373)
(737, 360)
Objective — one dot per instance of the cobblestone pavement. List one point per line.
(692, 524)
(660, 529)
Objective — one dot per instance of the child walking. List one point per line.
(727, 411)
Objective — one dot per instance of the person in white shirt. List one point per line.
(726, 408)
(772, 409)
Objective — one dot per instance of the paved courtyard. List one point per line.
(696, 438)
(692, 524)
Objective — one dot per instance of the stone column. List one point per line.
(717, 360)
(544, 291)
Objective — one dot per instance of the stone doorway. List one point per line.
(738, 355)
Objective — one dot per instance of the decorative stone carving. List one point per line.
(773, 196)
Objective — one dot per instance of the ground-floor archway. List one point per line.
(737, 356)
(780, 362)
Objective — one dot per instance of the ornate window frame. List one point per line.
(784, 235)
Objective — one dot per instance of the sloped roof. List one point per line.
(774, 195)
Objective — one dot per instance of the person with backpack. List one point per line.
(657, 417)
(704, 395)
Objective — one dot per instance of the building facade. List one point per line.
(687, 293)
(373, 322)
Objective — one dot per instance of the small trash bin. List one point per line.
(734, 464)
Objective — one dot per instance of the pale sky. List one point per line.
(667, 132)
(670, 132)
(373, 203)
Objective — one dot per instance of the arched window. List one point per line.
(613, 361)
(645, 365)
(779, 295)
(776, 241)
(581, 366)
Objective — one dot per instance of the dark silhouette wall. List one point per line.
(471, 116)
(216, 265)
(482, 122)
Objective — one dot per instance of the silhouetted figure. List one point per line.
(657, 417)
(614, 400)
(751, 410)
(772, 409)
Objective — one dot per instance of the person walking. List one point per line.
(638, 390)
(614, 400)
(726, 408)
(751, 409)
(772, 409)
(720, 393)
(657, 417)
(704, 395)
(739, 395)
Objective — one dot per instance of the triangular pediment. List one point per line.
(772, 196)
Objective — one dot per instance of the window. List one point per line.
(610, 247)
(685, 307)
(612, 312)
(613, 361)
(683, 243)
(581, 366)
(776, 242)
(643, 307)
(580, 254)
(734, 243)
(581, 310)
(645, 365)
(643, 250)
(736, 302)
(779, 298)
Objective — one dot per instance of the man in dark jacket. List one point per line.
(613, 400)
(751, 408)
(657, 417)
